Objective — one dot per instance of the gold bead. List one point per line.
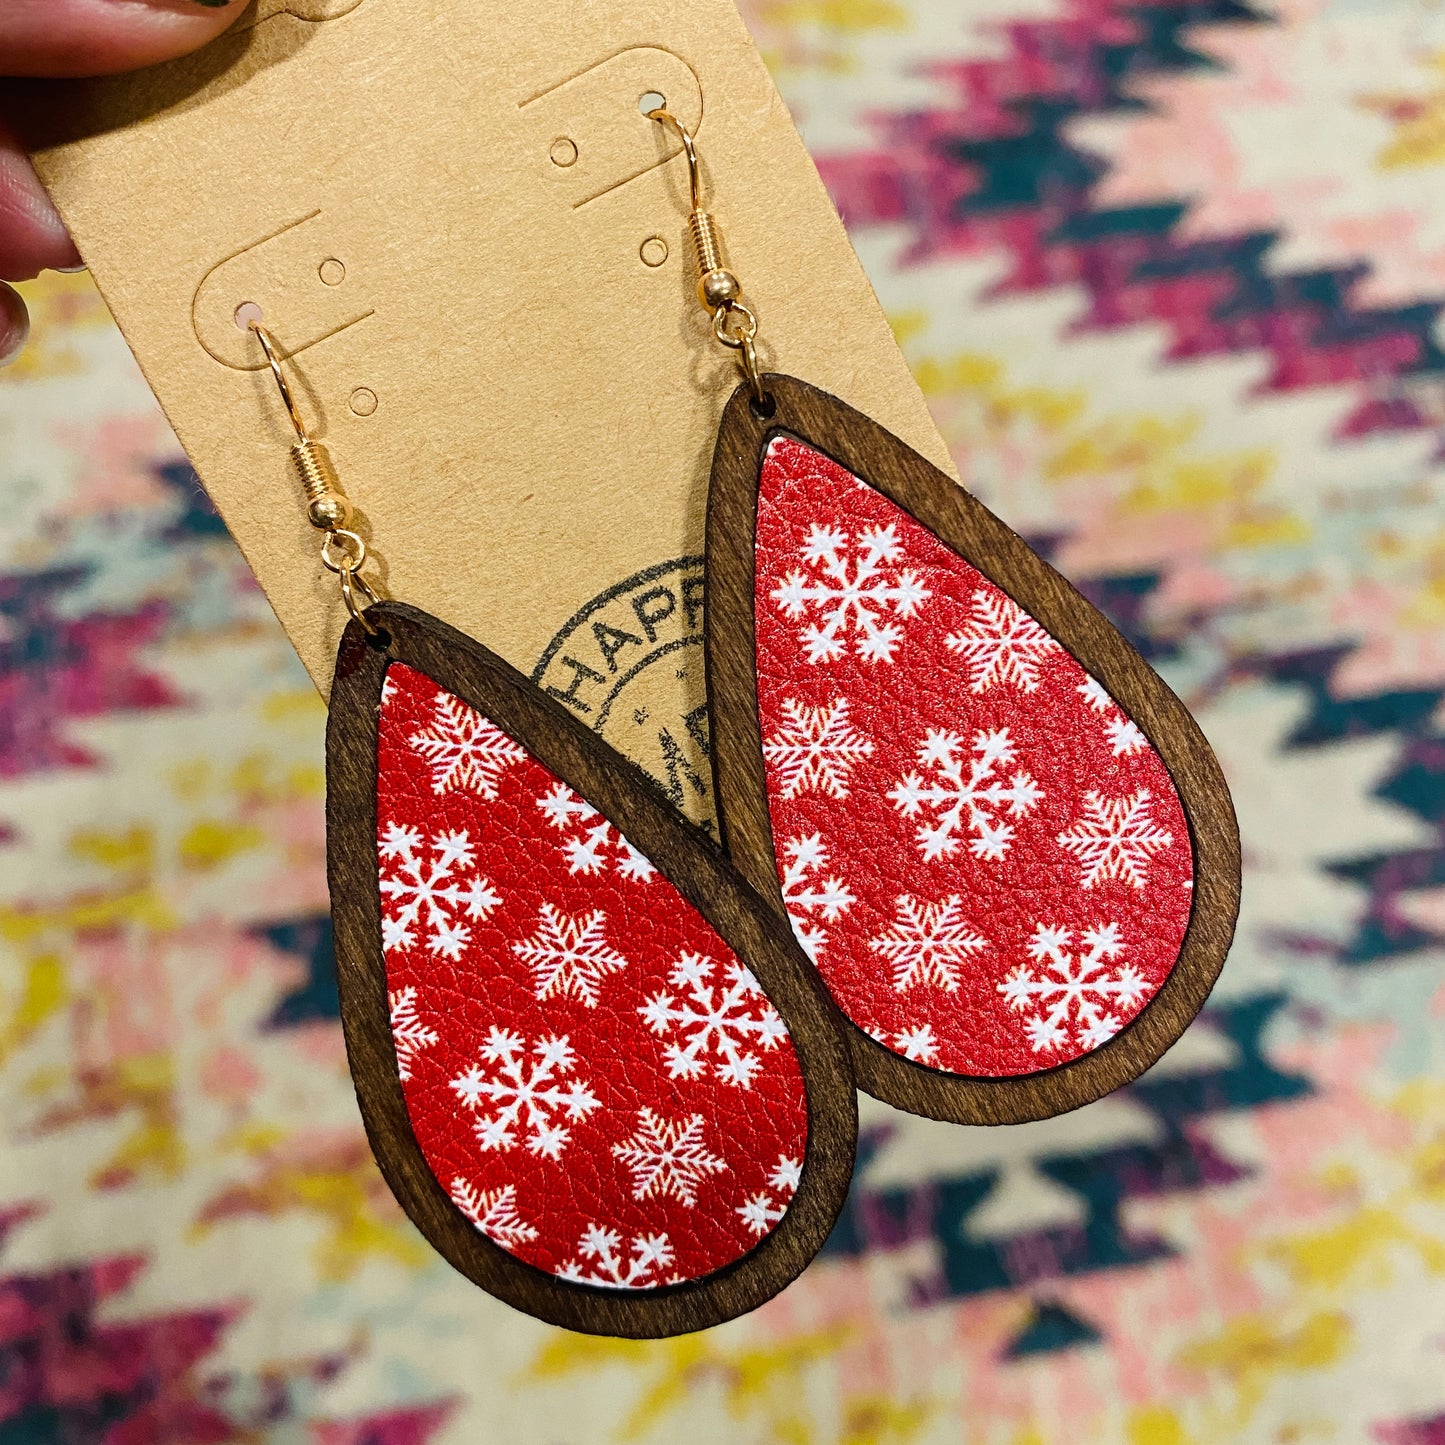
(718, 288)
(329, 512)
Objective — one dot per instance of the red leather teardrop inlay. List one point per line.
(591, 1073)
(986, 858)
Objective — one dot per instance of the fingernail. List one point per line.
(76, 270)
(16, 334)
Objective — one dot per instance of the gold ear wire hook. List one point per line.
(268, 345)
(327, 508)
(663, 116)
(718, 289)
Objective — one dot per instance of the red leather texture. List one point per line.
(590, 1071)
(985, 858)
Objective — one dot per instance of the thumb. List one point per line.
(71, 38)
(98, 37)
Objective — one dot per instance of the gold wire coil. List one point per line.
(342, 551)
(314, 470)
(326, 504)
(706, 242)
(719, 290)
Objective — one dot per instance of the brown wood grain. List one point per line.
(961, 522)
(694, 865)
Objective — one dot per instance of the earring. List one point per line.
(595, 1070)
(1001, 838)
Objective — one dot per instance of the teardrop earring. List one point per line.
(595, 1069)
(1001, 838)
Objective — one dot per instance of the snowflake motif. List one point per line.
(1095, 694)
(852, 587)
(408, 1032)
(1125, 739)
(515, 1088)
(667, 1157)
(1115, 838)
(762, 1210)
(569, 956)
(593, 842)
(494, 1212)
(982, 796)
(927, 943)
(1002, 644)
(917, 1044)
(467, 753)
(433, 892)
(714, 1020)
(1073, 993)
(815, 749)
(809, 897)
(600, 1260)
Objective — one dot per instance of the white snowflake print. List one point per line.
(722, 1022)
(815, 749)
(1125, 739)
(917, 1044)
(761, 1211)
(591, 842)
(851, 587)
(467, 753)
(523, 1092)
(927, 943)
(1073, 994)
(1115, 838)
(569, 956)
(1002, 644)
(1095, 693)
(976, 802)
(600, 1260)
(810, 897)
(493, 1211)
(668, 1157)
(787, 1174)
(428, 884)
(408, 1032)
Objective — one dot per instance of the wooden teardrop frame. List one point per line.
(693, 864)
(962, 523)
